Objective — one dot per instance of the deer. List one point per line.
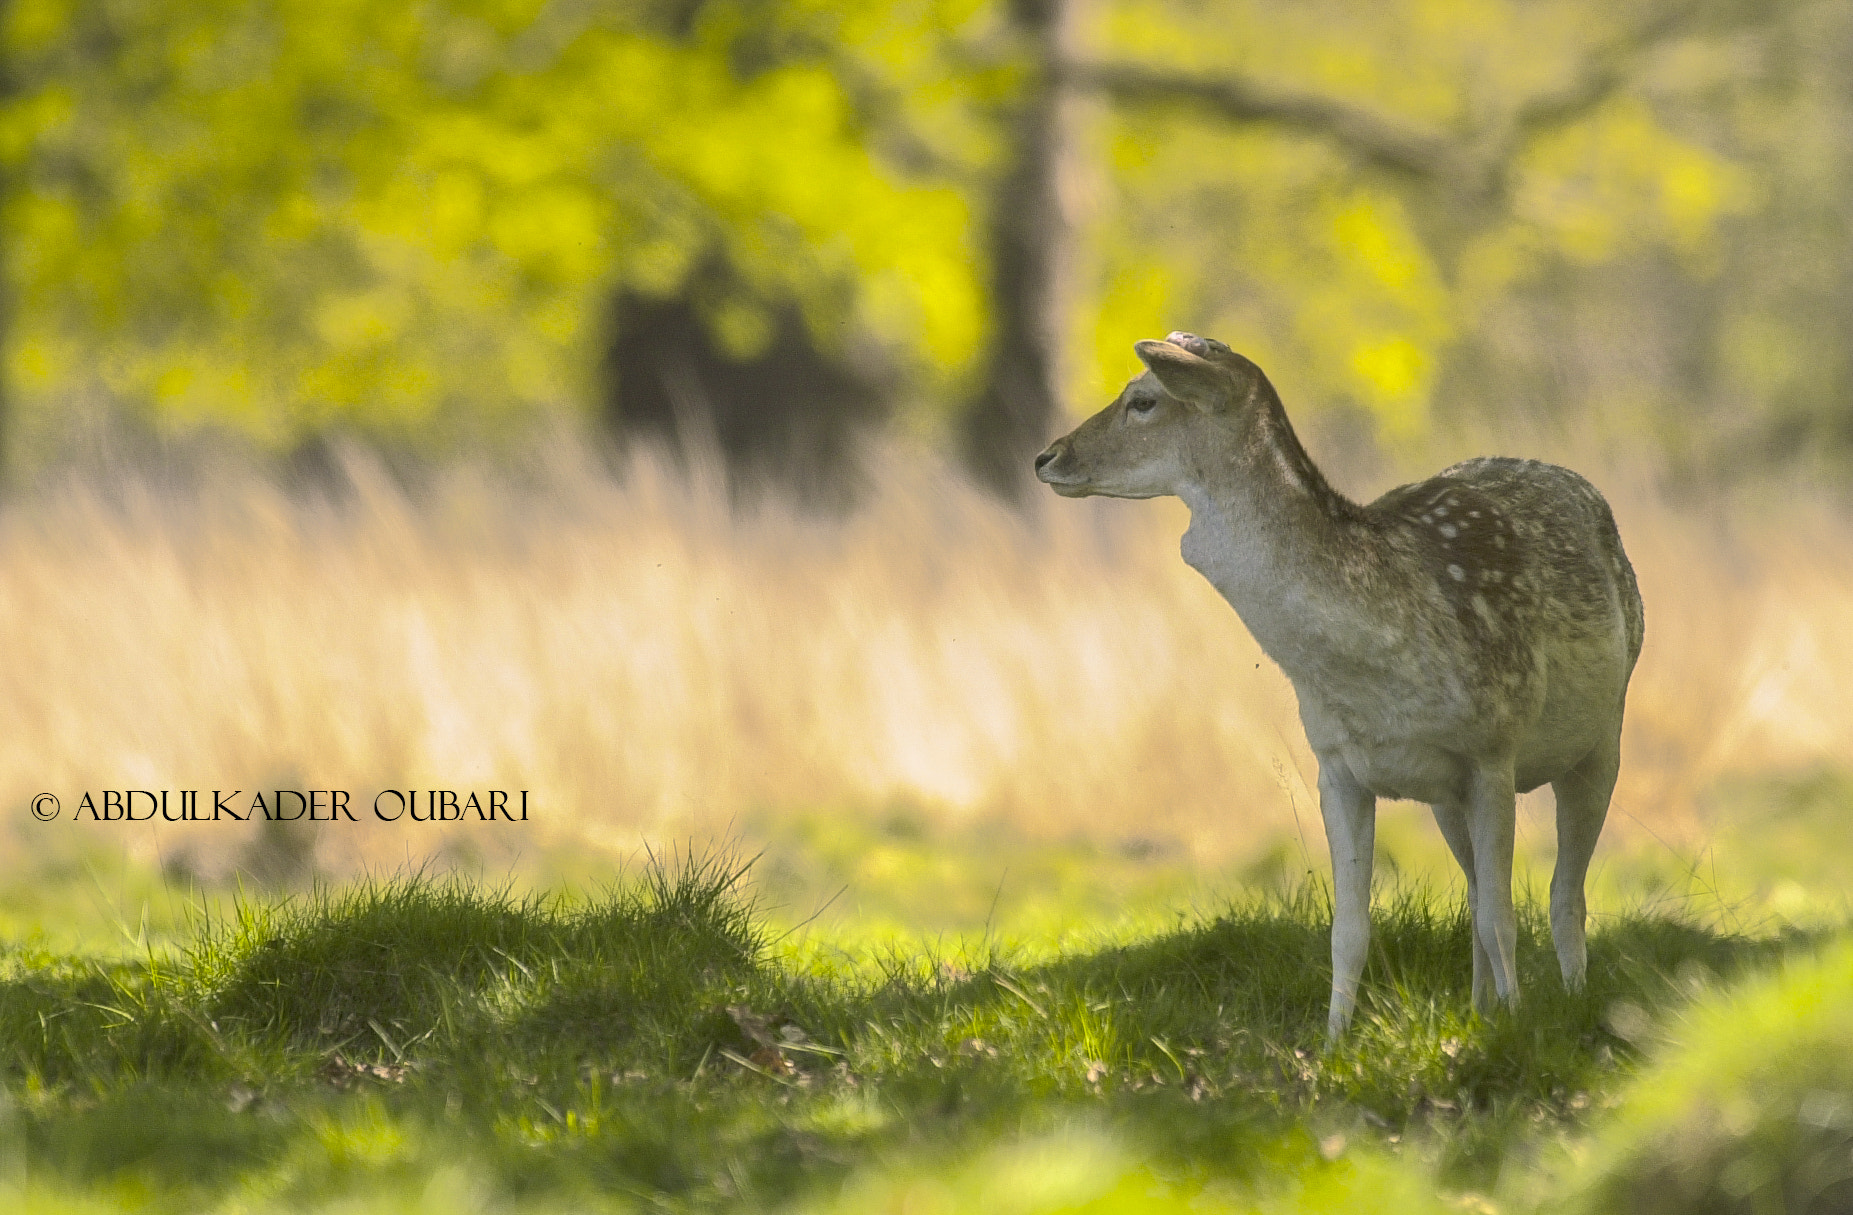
(1457, 641)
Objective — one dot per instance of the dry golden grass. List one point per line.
(649, 664)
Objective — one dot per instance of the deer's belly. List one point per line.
(1582, 710)
(1422, 747)
(1431, 770)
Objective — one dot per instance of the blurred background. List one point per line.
(632, 402)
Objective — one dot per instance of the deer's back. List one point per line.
(1529, 550)
(1517, 621)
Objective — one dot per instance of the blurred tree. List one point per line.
(7, 89)
(425, 222)
(779, 384)
(409, 221)
(1033, 223)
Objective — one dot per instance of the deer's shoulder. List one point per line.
(1459, 533)
(1509, 539)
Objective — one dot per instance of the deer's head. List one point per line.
(1189, 403)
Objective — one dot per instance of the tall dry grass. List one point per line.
(649, 663)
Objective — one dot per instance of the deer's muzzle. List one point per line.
(1052, 469)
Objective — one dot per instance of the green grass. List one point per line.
(1771, 852)
(427, 1041)
(1748, 1109)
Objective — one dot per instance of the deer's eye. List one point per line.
(1142, 406)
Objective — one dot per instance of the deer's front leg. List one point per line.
(1350, 813)
(1492, 821)
(1451, 817)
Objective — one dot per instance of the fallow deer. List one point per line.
(1457, 641)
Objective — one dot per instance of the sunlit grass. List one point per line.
(1750, 1107)
(1035, 921)
(651, 663)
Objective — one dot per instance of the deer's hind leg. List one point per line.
(1582, 805)
(1451, 817)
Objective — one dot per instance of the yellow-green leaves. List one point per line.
(282, 218)
(1621, 180)
(1266, 242)
(412, 219)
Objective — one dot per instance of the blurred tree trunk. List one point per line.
(7, 88)
(1032, 226)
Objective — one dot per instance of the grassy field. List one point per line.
(654, 665)
(1033, 918)
(430, 1044)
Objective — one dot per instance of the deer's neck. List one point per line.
(1275, 539)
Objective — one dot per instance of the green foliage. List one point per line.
(409, 220)
(1394, 293)
(286, 217)
(1295, 261)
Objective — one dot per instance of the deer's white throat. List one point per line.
(1269, 573)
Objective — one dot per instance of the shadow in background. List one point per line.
(788, 416)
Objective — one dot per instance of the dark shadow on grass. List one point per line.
(87, 1022)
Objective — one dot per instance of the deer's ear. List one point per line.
(1195, 381)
